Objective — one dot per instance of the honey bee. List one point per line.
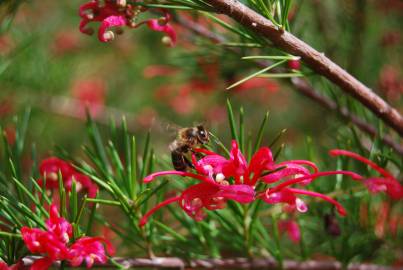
(187, 139)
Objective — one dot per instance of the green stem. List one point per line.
(246, 231)
(279, 255)
(6, 234)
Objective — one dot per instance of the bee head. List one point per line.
(202, 134)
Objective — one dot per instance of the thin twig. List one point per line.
(315, 60)
(228, 263)
(300, 84)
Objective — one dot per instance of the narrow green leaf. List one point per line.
(260, 133)
(279, 135)
(102, 201)
(146, 154)
(256, 74)
(172, 232)
(268, 57)
(133, 180)
(231, 121)
(241, 130)
(73, 200)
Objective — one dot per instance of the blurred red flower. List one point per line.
(52, 166)
(390, 83)
(65, 42)
(90, 93)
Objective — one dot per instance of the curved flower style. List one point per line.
(53, 244)
(387, 183)
(235, 179)
(115, 14)
(50, 168)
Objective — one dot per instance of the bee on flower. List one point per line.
(234, 178)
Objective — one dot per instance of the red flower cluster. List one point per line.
(50, 168)
(387, 183)
(117, 13)
(4, 266)
(235, 179)
(53, 244)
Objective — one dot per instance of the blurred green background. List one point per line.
(47, 64)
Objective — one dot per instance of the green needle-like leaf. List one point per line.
(256, 74)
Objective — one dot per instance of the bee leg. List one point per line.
(188, 162)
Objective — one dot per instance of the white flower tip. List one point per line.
(90, 16)
(121, 3)
(167, 41)
(52, 176)
(301, 206)
(79, 186)
(66, 237)
(108, 36)
(219, 177)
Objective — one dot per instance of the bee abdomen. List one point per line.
(178, 161)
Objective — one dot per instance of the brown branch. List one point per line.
(228, 263)
(315, 60)
(301, 85)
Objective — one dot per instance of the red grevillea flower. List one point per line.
(235, 179)
(51, 167)
(387, 183)
(53, 244)
(115, 14)
(90, 249)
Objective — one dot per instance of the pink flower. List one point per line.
(90, 249)
(291, 227)
(53, 244)
(235, 179)
(114, 14)
(50, 168)
(387, 183)
(45, 243)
